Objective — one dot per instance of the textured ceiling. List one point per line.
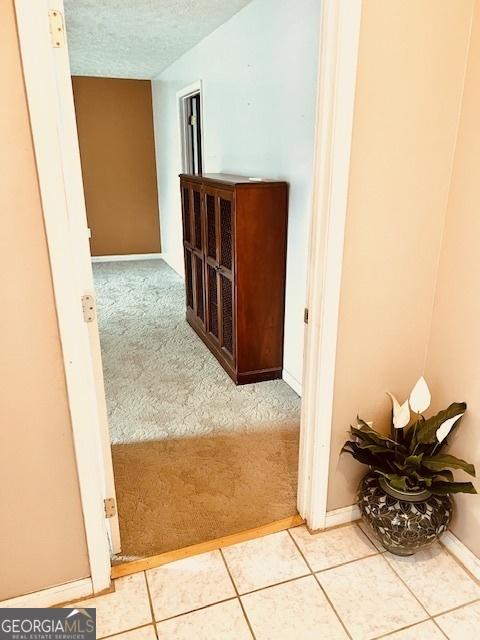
(138, 38)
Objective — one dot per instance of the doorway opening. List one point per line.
(199, 286)
(190, 113)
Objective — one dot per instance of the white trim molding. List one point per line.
(339, 38)
(191, 89)
(175, 264)
(52, 596)
(342, 516)
(462, 553)
(127, 257)
(292, 382)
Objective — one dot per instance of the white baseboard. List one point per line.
(292, 382)
(462, 553)
(128, 256)
(175, 264)
(342, 516)
(52, 596)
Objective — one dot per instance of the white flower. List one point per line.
(395, 402)
(446, 427)
(403, 416)
(420, 397)
(401, 413)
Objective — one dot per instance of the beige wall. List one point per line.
(117, 148)
(42, 540)
(410, 77)
(453, 360)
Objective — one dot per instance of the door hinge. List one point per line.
(57, 31)
(110, 507)
(305, 315)
(192, 120)
(88, 307)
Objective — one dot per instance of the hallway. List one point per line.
(190, 449)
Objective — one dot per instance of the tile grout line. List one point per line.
(320, 586)
(410, 626)
(370, 536)
(434, 615)
(150, 602)
(407, 587)
(430, 615)
(460, 606)
(384, 551)
(118, 633)
(238, 595)
(439, 628)
(274, 584)
(342, 564)
(365, 535)
(186, 613)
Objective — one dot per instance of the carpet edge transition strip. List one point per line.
(134, 566)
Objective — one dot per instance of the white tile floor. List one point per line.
(334, 585)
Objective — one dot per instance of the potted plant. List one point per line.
(405, 498)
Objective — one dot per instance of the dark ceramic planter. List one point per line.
(403, 522)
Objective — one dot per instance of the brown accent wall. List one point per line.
(42, 538)
(453, 369)
(409, 89)
(115, 132)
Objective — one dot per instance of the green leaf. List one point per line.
(426, 480)
(366, 434)
(426, 431)
(365, 456)
(409, 462)
(428, 473)
(442, 460)
(444, 488)
(376, 448)
(445, 473)
(397, 481)
(370, 435)
(413, 461)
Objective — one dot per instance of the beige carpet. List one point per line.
(195, 457)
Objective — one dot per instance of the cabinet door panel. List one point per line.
(226, 229)
(189, 278)
(199, 293)
(227, 336)
(197, 218)
(186, 215)
(212, 299)
(211, 224)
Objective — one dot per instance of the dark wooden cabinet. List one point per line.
(234, 239)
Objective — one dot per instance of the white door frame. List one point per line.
(55, 135)
(61, 190)
(337, 73)
(191, 89)
(77, 215)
